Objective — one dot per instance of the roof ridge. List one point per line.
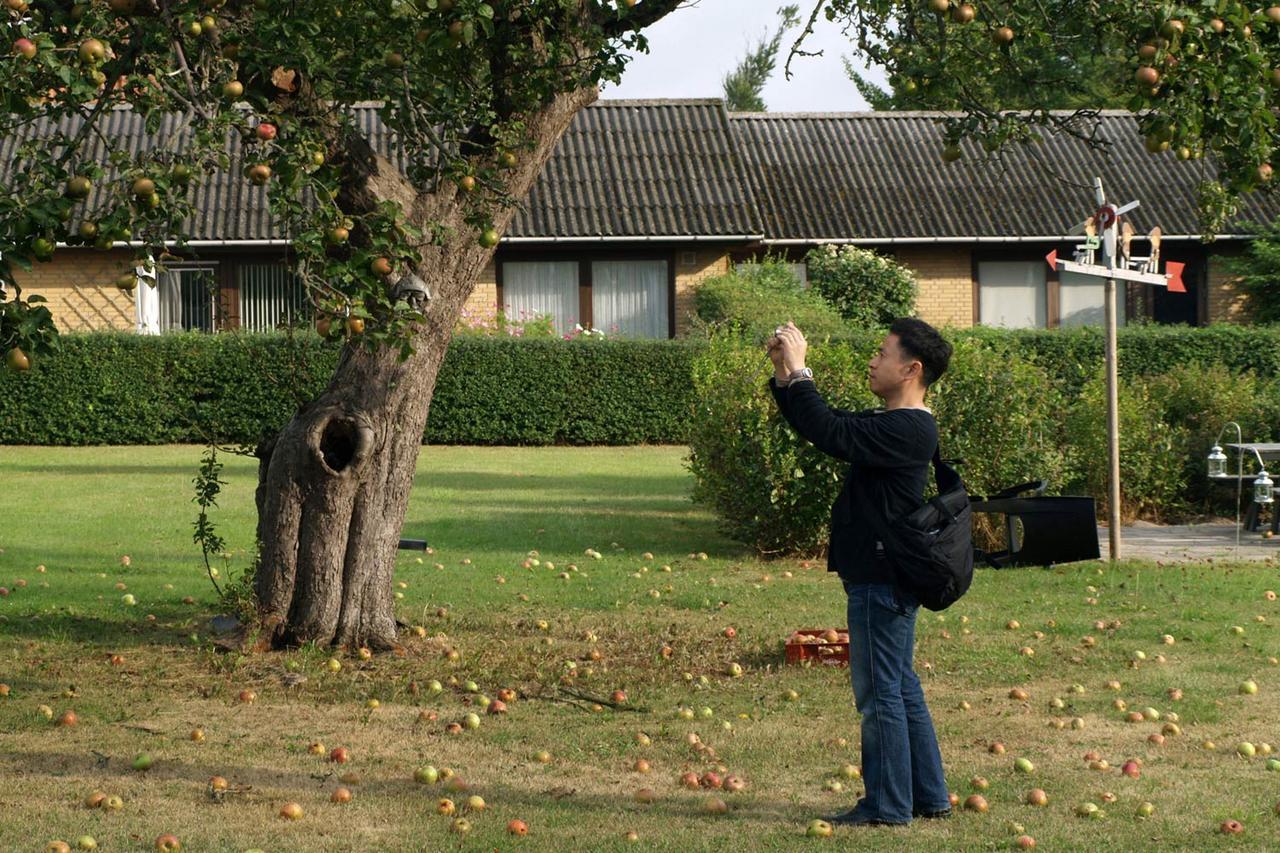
(655, 102)
(907, 114)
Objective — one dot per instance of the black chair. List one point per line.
(1042, 530)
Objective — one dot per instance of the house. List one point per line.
(642, 199)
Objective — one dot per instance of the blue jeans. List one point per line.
(901, 763)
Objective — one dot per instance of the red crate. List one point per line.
(836, 654)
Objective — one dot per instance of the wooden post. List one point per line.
(1113, 423)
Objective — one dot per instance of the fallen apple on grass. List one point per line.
(291, 811)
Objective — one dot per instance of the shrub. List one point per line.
(1152, 473)
(753, 300)
(867, 289)
(769, 488)
(1203, 400)
(774, 490)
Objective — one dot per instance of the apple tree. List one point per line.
(477, 91)
(1203, 78)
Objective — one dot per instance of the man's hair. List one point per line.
(921, 341)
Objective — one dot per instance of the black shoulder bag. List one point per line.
(931, 548)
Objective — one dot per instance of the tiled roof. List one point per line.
(880, 176)
(228, 207)
(640, 168)
(635, 169)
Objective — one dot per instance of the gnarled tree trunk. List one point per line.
(334, 485)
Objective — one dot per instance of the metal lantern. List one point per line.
(1262, 488)
(1217, 462)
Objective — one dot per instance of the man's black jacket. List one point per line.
(889, 455)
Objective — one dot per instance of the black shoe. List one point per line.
(938, 815)
(854, 818)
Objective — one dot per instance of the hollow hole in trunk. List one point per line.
(338, 443)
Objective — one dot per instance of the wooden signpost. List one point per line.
(1106, 254)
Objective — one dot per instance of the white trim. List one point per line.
(121, 244)
(665, 238)
(1055, 238)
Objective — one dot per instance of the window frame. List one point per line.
(584, 257)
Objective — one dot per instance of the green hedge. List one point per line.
(119, 388)
(1000, 409)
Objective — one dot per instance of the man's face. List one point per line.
(890, 368)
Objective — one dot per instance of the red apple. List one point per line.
(67, 719)
(517, 827)
(711, 780)
(340, 795)
(25, 48)
(265, 131)
(168, 841)
(689, 780)
(247, 696)
(291, 811)
(1231, 827)
(340, 755)
(976, 803)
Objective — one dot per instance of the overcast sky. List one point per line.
(692, 49)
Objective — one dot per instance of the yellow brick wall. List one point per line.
(945, 276)
(79, 285)
(1227, 303)
(692, 266)
(484, 298)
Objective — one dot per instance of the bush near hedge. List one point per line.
(120, 388)
(999, 408)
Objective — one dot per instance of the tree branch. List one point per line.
(636, 18)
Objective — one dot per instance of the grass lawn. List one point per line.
(77, 512)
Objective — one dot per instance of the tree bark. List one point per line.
(333, 486)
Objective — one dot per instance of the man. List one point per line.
(889, 451)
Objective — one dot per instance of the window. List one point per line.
(799, 270)
(187, 298)
(530, 288)
(1081, 300)
(1012, 294)
(270, 295)
(629, 298)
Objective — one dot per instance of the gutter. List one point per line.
(120, 244)
(1056, 238)
(673, 238)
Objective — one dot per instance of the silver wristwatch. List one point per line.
(799, 375)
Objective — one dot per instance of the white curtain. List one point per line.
(169, 295)
(1081, 300)
(629, 298)
(531, 288)
(146, 299)
(1012, 294)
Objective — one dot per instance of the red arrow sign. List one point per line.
(1173, 270)
(1052, 259)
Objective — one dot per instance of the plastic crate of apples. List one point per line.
(825, 645)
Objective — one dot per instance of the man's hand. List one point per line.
(793, 347)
